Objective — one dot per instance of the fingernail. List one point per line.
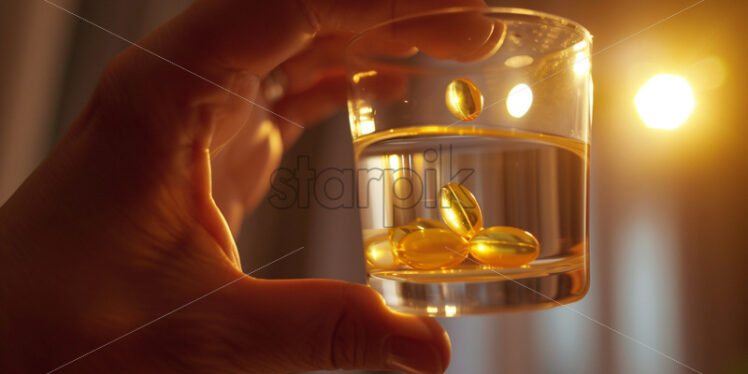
(413, 356)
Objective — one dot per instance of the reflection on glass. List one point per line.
(519, 100)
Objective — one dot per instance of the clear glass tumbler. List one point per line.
(471, 133)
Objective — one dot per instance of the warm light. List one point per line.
(580, 46)
(518, 61)
(581, 63)
(357, 77)
(367, 126)
(450, 310)
(431, 309)
(519, 100)
(365, 120)
(665, 101)
(394, 162)
(706, 74)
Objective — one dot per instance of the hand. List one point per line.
(130, 216)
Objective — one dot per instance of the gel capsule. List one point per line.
(417, 224)
(378, 252)
(432, 249)
(463, 99)
(426, 223)
(459, 210)
(504, 246)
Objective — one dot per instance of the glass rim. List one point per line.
(575, 26)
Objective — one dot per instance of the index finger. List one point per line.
(258, 36)
(226, 43)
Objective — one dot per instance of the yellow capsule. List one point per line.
(463, 99)
(378, 252)
(417, 224)
(426, 223)
(432, 249)
(459, 210)
(504, 246)
(399, 233)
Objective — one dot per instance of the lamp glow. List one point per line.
(665, 101)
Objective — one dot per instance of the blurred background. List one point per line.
(669, 238)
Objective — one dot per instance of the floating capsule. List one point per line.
(432, 249)
(459, 210)
(504, 246)
(378, 252)
(463, 99)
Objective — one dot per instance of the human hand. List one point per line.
(130, 217)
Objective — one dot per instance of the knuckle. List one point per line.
(349, 337)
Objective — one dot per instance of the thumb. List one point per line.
(298, 325)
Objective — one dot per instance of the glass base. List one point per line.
(545, 284)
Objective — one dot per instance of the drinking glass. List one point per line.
(478, 117)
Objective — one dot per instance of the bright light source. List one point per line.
(519, 100)
(665, 101)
